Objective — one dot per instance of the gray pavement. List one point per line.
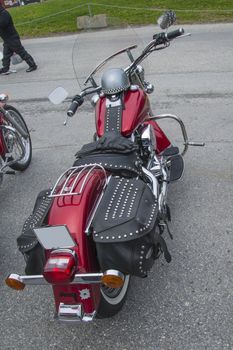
(183, 305)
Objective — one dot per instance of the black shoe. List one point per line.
(31, 68)
(4, 70)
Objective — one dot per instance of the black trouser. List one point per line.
(14, 45)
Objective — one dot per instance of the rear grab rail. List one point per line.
(63, 187)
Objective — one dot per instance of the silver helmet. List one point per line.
(114, 80)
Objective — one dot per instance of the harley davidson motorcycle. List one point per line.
(15, 141)
(103, 221)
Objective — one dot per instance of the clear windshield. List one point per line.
(96, 51)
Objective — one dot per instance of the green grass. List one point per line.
(46, 20)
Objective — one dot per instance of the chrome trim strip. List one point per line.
(73, 313)
(153, 180)
(163, 192)
(82, 278)
(70, 312)
(114, 273)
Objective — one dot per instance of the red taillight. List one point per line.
(60, 266)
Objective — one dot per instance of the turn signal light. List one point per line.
(113, 279)
(60, 266)
(13, 281)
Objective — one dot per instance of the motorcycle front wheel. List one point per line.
(20, 163)
(112, 299)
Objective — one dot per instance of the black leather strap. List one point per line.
(113, 118)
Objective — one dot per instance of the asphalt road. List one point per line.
(183, 305)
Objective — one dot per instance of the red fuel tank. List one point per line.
(136, 109)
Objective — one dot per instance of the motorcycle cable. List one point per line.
(146, 52)
(73, 65)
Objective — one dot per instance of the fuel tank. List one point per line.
(136, 107)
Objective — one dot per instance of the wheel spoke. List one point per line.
(19, 147)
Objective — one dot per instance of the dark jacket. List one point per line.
(7, 28)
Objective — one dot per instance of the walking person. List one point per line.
(12, 43)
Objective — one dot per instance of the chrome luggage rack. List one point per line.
(62, 187)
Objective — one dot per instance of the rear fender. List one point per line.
(75, 211)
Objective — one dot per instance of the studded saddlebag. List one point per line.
(27, 242)
(124, 227)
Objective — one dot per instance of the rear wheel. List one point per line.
(112, 299)
(21, 152)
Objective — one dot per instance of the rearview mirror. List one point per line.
(167, 19)
(58, 95)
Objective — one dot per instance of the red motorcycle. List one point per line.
(15, 141)
(103, 220)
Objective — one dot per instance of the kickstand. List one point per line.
(168, 229)
(164, 249)
(161, 228)
(10, 172)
